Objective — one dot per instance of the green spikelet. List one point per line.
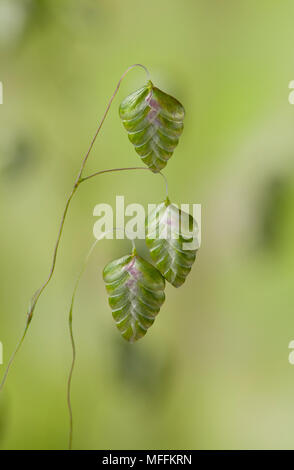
(168, 230)
(154, 122)
(136, 293)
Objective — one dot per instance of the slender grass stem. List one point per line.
(74, 346)
(70, 375)
(111, 170)
(70, 325)
(77, 182)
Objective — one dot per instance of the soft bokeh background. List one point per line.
(213, 372)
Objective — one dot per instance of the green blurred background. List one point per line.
(213, 371)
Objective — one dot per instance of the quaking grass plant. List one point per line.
(135, 288)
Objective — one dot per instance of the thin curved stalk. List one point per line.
(74, 346)
(111, 170)
(70, 375)
(70, 318)
(77, 182)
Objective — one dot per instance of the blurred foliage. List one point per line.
(213, 372)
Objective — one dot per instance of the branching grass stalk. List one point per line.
(79, 179)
